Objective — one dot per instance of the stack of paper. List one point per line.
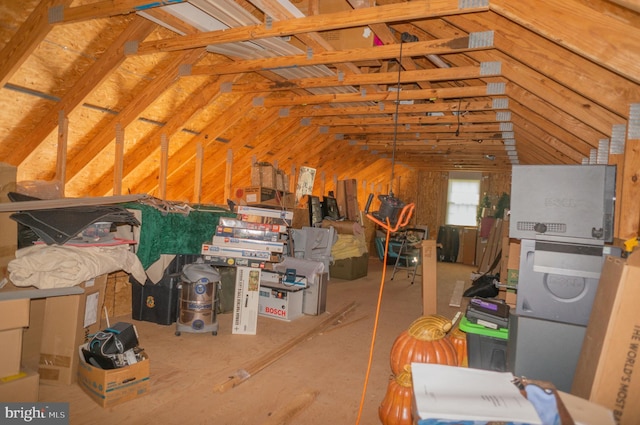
(453, 395)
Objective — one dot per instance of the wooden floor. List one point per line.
(318, 381)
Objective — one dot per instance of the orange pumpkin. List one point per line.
(459, 340)
(395, 408)
(424, 342)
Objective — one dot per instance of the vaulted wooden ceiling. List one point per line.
(179, 98)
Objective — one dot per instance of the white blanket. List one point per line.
(61, 266)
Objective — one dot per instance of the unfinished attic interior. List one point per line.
(169, 126)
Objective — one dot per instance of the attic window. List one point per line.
(463, 197)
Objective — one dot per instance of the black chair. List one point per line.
(407, 248)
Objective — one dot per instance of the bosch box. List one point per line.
(277, 301)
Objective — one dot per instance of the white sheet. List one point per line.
(61, 266)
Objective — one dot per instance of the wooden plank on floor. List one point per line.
(242, 375)
(456, 296)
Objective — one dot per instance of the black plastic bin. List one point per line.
(158, 303)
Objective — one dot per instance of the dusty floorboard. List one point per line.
(318, 381)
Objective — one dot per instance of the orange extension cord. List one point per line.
(403, 220)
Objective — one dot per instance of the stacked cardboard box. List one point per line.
(264, 196)
(8, 227)
(347, 199)
(58, 326)
(269, 187)
(264, 174)
(17, 384)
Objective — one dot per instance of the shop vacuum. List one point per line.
(198, 299)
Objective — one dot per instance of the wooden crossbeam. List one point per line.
(392, 51)
(107, 8)
(389, 108)
(131, 111)
(92, 78)
(26, 39)
(427, 94)
(329, 21)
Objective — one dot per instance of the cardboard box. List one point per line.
(252, 244)
(233, 223)
(263, 174)
(20, 388)
(230, 252)
(14, 314)
(280, 303)
(282, 181)
(8, 227)
(350, 268)
(111, 387)
(223, 261)
(246, 300)
(258, 195)
(58, 325)
(607, 371)
(11, 343)
(583, 412)
(265, 215)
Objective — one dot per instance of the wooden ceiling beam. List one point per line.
(492, 140)
(531, 132)
(427, 94)
(151, 92)
(149, 146)
(556, 116)
(138, 29)
(564, 105)
(105, 9)
(29, 35)
(330, 21)
(589, 79)
(386, 36)
(389, 108)
(312, 40)
(617, 48)
(540, 151)
(412, 131)
(242, 131)
(418, 48)
(390, 78)
(184, 158)
(467, 119)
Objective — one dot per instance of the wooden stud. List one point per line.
(118, 161)
(228, 175)
(164, 161)
(61, 161)
(197, 184)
